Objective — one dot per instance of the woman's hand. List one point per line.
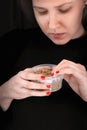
(21, 86)
(76, 76)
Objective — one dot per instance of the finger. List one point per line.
(70, 65)
(28, 93)
(36, 85)
(77, 73)
(39, 93)
(24, 93)
(65, 63)
(27, 75)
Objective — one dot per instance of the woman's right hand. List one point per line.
(21, 86)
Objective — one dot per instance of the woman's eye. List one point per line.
(42, 12)
(64, 10)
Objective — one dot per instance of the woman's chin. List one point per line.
(60, 42)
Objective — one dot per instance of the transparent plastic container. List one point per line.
(45, 69)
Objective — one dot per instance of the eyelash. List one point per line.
(64, 11)
(43, 13)
(60, 10)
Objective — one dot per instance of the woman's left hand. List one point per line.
(76, 76)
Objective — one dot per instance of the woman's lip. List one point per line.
(57, 35)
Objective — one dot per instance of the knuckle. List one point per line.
(81, 66)
(20, 72)
(64, 60)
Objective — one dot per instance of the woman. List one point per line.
(61, 39)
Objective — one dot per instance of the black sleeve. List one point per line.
(5, 119)
(11, 45)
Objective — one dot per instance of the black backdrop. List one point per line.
(12, 16)
(7, 13)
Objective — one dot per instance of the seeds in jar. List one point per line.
(44, 71)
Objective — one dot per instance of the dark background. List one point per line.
(8, 12)
(12, 16)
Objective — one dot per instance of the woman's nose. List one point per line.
(53, 22)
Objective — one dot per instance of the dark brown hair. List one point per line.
(84, 19)
(26, 9)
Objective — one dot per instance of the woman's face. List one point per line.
(60, 20)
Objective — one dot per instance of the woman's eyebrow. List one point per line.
(38, 7)
(61, 5)
(64, 4)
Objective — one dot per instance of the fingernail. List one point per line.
(52, 74)
(42, 77)
(57, 71)
(48, 86)
(48, 93)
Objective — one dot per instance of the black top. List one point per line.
(62, 110)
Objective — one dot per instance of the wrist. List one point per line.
(4, 101)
